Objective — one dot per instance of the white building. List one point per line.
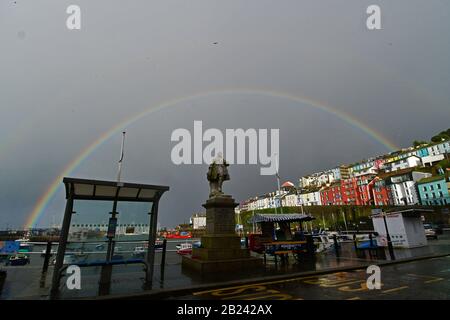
(440, 148)
(432, 159)
(325, 178)
(310, 199)
(444, 147)
(405, 229)
(252, 205)
(198, 221)
(307, 182)
(290, 200)
(317, 179)
(403, 187)
(405, 163)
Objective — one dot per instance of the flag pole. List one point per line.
(278, 183)
(119, 172)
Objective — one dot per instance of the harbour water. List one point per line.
(27, 281)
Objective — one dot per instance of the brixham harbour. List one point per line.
(28, 281)
(25, 280)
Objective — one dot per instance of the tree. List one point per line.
(417, 143)
(440, 137)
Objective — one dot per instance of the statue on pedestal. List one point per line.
(220, 249)
(217, 174)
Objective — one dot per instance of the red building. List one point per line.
(365, 185)
(349, 189)
(332, 195)
(381, 193)
(355, 191)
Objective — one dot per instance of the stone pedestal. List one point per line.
(221, 248)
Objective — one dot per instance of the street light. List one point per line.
(388, 237)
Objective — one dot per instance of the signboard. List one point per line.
(112, 225)
(9, 246)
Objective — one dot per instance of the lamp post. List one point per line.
(388, 237)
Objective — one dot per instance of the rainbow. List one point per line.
(47, 196)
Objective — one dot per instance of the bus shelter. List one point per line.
(112, 192)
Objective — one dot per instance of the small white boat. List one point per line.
(24, 246)
(323, 243)
(184, 248)
(139, 251)
(70, 259)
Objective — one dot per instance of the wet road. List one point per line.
(425, 279)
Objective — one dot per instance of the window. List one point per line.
(440, 194)
(439, 186)
(424, 188)
(431, 188)
(434, 195)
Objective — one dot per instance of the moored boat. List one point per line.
(179, 235)
(184, 248)
(19, 260)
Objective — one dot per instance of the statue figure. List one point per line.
(217, 174)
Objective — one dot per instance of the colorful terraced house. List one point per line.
(435, 190)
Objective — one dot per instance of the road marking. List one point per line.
(434, 280)
(394, 289)
(362, 287)
(431, 278)
(280, 296)
(354, 298)
(256, 284)
(251, 295)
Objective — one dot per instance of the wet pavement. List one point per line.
(24, 281)
(424, 279)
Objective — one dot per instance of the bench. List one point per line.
(101, 263)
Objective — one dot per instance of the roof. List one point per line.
(309, 190)
(85, 189)
(385, 175)
(410, 156)
(289, 217)
(409, 211)
(431, 179)
(288, 184)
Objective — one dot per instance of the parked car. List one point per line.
(430, 231)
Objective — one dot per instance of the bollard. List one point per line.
(2, 280)
(163, 259)
(336, 245)
(48, 252)
(390, 247)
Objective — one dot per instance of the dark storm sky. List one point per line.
(61, 89)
